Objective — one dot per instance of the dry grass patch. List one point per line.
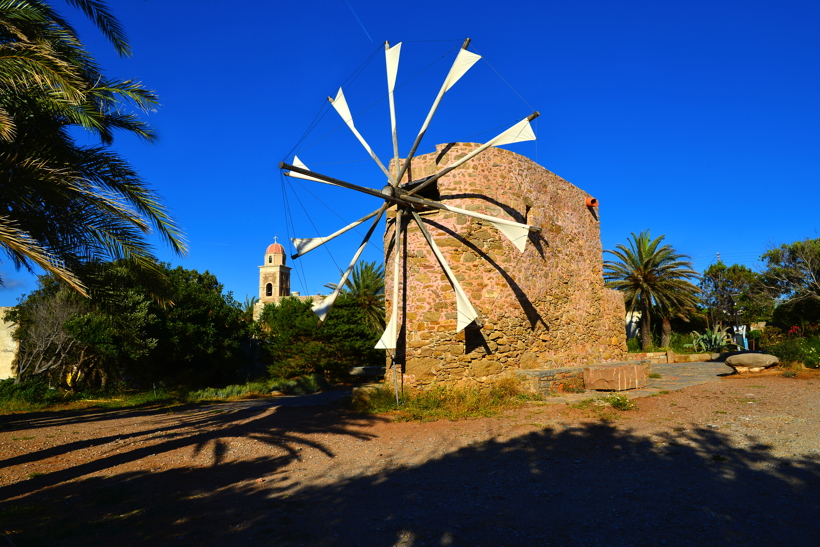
(444, 402)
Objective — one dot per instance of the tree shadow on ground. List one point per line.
(595, 484)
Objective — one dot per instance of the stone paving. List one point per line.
(674, 376)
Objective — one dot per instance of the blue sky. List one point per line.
(697, 120)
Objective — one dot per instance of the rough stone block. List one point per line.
(421, 369)
(615, 378)
(751, 362)
(485, 367)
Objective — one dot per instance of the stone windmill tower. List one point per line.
(496, 262)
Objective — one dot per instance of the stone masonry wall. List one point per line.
(8, 346)
(544, 308)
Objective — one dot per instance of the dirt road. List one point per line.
(731, 462)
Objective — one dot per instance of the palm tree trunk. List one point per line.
(666, 333)
(646, 328)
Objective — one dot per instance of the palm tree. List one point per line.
(63, 204)
(365, 286)
(652, 275)
(248, 306)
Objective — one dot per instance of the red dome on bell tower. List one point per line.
(275, 248)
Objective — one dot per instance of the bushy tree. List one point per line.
(297, 345)
(200, 335)
(792, 271)
(735, 291)
(129, 337)
(652, 276)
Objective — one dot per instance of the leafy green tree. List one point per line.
(129, 338)
(735, 292)
(297, 345)
(651, 276)
(793, 271)
(200, 336)
(66, 204)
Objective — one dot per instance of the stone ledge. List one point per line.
(546, 381)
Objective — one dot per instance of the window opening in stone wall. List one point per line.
(269, 289)
(270, 259)
(428, 192)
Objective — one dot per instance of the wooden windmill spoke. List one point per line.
(340, 105)
(466, 312)
(464, 60)
(294, 170)
(322, 308)
(305, 245)
(515, 231)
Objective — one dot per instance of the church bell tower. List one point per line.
(274, 276)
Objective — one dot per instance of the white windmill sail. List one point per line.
(322, 308)
(391, 57)
(466, 314)
(520, 132)
(298, 163)
(305, 245)
(340, 105)
(464, 60)
(462, 64)
(388, 339)
(516, 232)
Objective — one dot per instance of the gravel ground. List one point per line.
(730, 462)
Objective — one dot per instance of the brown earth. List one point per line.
(730, 462)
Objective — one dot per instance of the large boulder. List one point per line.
(615, 377)
(751, 362)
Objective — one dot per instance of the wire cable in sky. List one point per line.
(359, 20)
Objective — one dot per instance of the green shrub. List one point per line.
(680, 343)
(619, 401)
(797, 350)
(811, 352)
(302, 384)
(789, 350)
(250, 389)
(633, 345)
(33, 391)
